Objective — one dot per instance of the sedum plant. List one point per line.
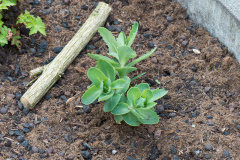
(121, 52)
(110, 83)
(11, 34)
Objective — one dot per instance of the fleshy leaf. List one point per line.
(122, 40)
(158, 93)
(111, 103)
(125, 86)
(104, 97)
(120, 109)
(147, 93)
(142, 86)
(123, 71)
(150, 117)
(113, 54)
(124, 54)
(97, 57)
(109, 39)
(118, 118)
(117, 84)
(91, 95)
(142, 57)
(132, 34)
(123, 99)
(133, 94)
(107, 69)
(150, 105)
(140, 102)
(131, 119)
(96, 76)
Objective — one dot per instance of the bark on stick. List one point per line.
(53, 71)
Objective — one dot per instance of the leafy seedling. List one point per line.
(11, 34)
(134, 105)
(121, 52)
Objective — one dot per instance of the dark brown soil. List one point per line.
(201, 107)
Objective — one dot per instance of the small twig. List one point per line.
(9, 139)
(31, 82)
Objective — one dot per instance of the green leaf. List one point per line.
(118, 118)
(113, 54)
(104, 96)
(147, 93)
(91, 95)
(37, 25)
(131, 119)
(150, 105)
(109, 39)
(7, 3)
(140, 102)
(107, 69)
(122, 40)
(124, 54)
(137, 76)
(133, 94)
(142, 86)
(158, 93)
(123, 71)
(150, 117)
(111, 103)
(123, 99)
(117, 84)
(125, 86)
(3, 39)
(132, 34)
(96, 76)
(30, 21)
(97, 57)
(142, 57)
(120, 109)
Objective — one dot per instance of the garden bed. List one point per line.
(199, 116)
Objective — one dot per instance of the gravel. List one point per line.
(112, 28)
(20, 105)
(172, 114)
(173, 150)
(208, 147)
(226, 153)
(21, 138)
(43, 46)
(33, 50)
(169, 19)
(150, 44)
(68, 138)
(206, 89)
(86, 108)
(18, 133)
(86, 155)
(57, 49)
(25, 143)
(84, 7)
(25, 111)
(26, 125)
(35, 149)
(4, 110)
(8, 143)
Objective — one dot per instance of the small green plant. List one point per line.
(11, 34)
(110, 83)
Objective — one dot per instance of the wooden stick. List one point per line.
(56, 68)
